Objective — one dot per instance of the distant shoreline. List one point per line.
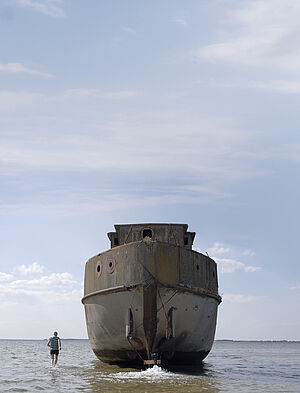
(258, 341)
(219, 340)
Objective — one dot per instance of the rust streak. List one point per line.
(150, 316)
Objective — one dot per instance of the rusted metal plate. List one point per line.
(152, 362)
(167, 260)
(150, 315)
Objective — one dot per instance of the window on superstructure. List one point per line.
(147, 233)
(116, 241)
(186, 241)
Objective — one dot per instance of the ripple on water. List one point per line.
(231, 367)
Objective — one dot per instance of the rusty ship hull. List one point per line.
(149, 299)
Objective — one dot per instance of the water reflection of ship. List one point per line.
(151, 298)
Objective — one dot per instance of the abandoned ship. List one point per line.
(150, 298)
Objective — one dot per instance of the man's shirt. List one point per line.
(54, 342)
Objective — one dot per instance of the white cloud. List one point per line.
(53, 280)
(17, 68)
(48, 300)
(228, 265)
(48, 288)
(219, 249)
(34, 268)
(252, 268)
(5, 277)
(237, 298)
(266, 35)
(47, 7)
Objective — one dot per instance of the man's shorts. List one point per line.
(54, 351)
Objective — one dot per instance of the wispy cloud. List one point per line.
(47, 7)
(12, 101)
(17, 68)
(238, 298)
(80, 93)
(76, 202)
(121, 135)
(70, 131)
(229, 265)
(129, 30)
(282, 86)
(181, 20)
(295, 287)
(267, 34)
(249, 253)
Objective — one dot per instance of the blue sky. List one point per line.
(124, 112)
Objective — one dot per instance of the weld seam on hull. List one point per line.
(120, 288)
(195, 291)
(123, 288)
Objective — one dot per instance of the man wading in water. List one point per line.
(55, 346)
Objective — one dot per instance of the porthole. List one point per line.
(98, 269)
(197, 267)
(111, 265)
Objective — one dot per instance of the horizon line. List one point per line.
(86, 339)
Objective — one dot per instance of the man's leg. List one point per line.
(56, 358)
(52, 359)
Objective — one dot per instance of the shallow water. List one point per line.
(231, 367)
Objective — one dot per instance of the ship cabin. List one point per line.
(175, 234)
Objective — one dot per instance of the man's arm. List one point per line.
(59, 343)
(48, 343)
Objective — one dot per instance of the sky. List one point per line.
(115, 112)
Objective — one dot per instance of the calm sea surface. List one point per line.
(230, 367)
